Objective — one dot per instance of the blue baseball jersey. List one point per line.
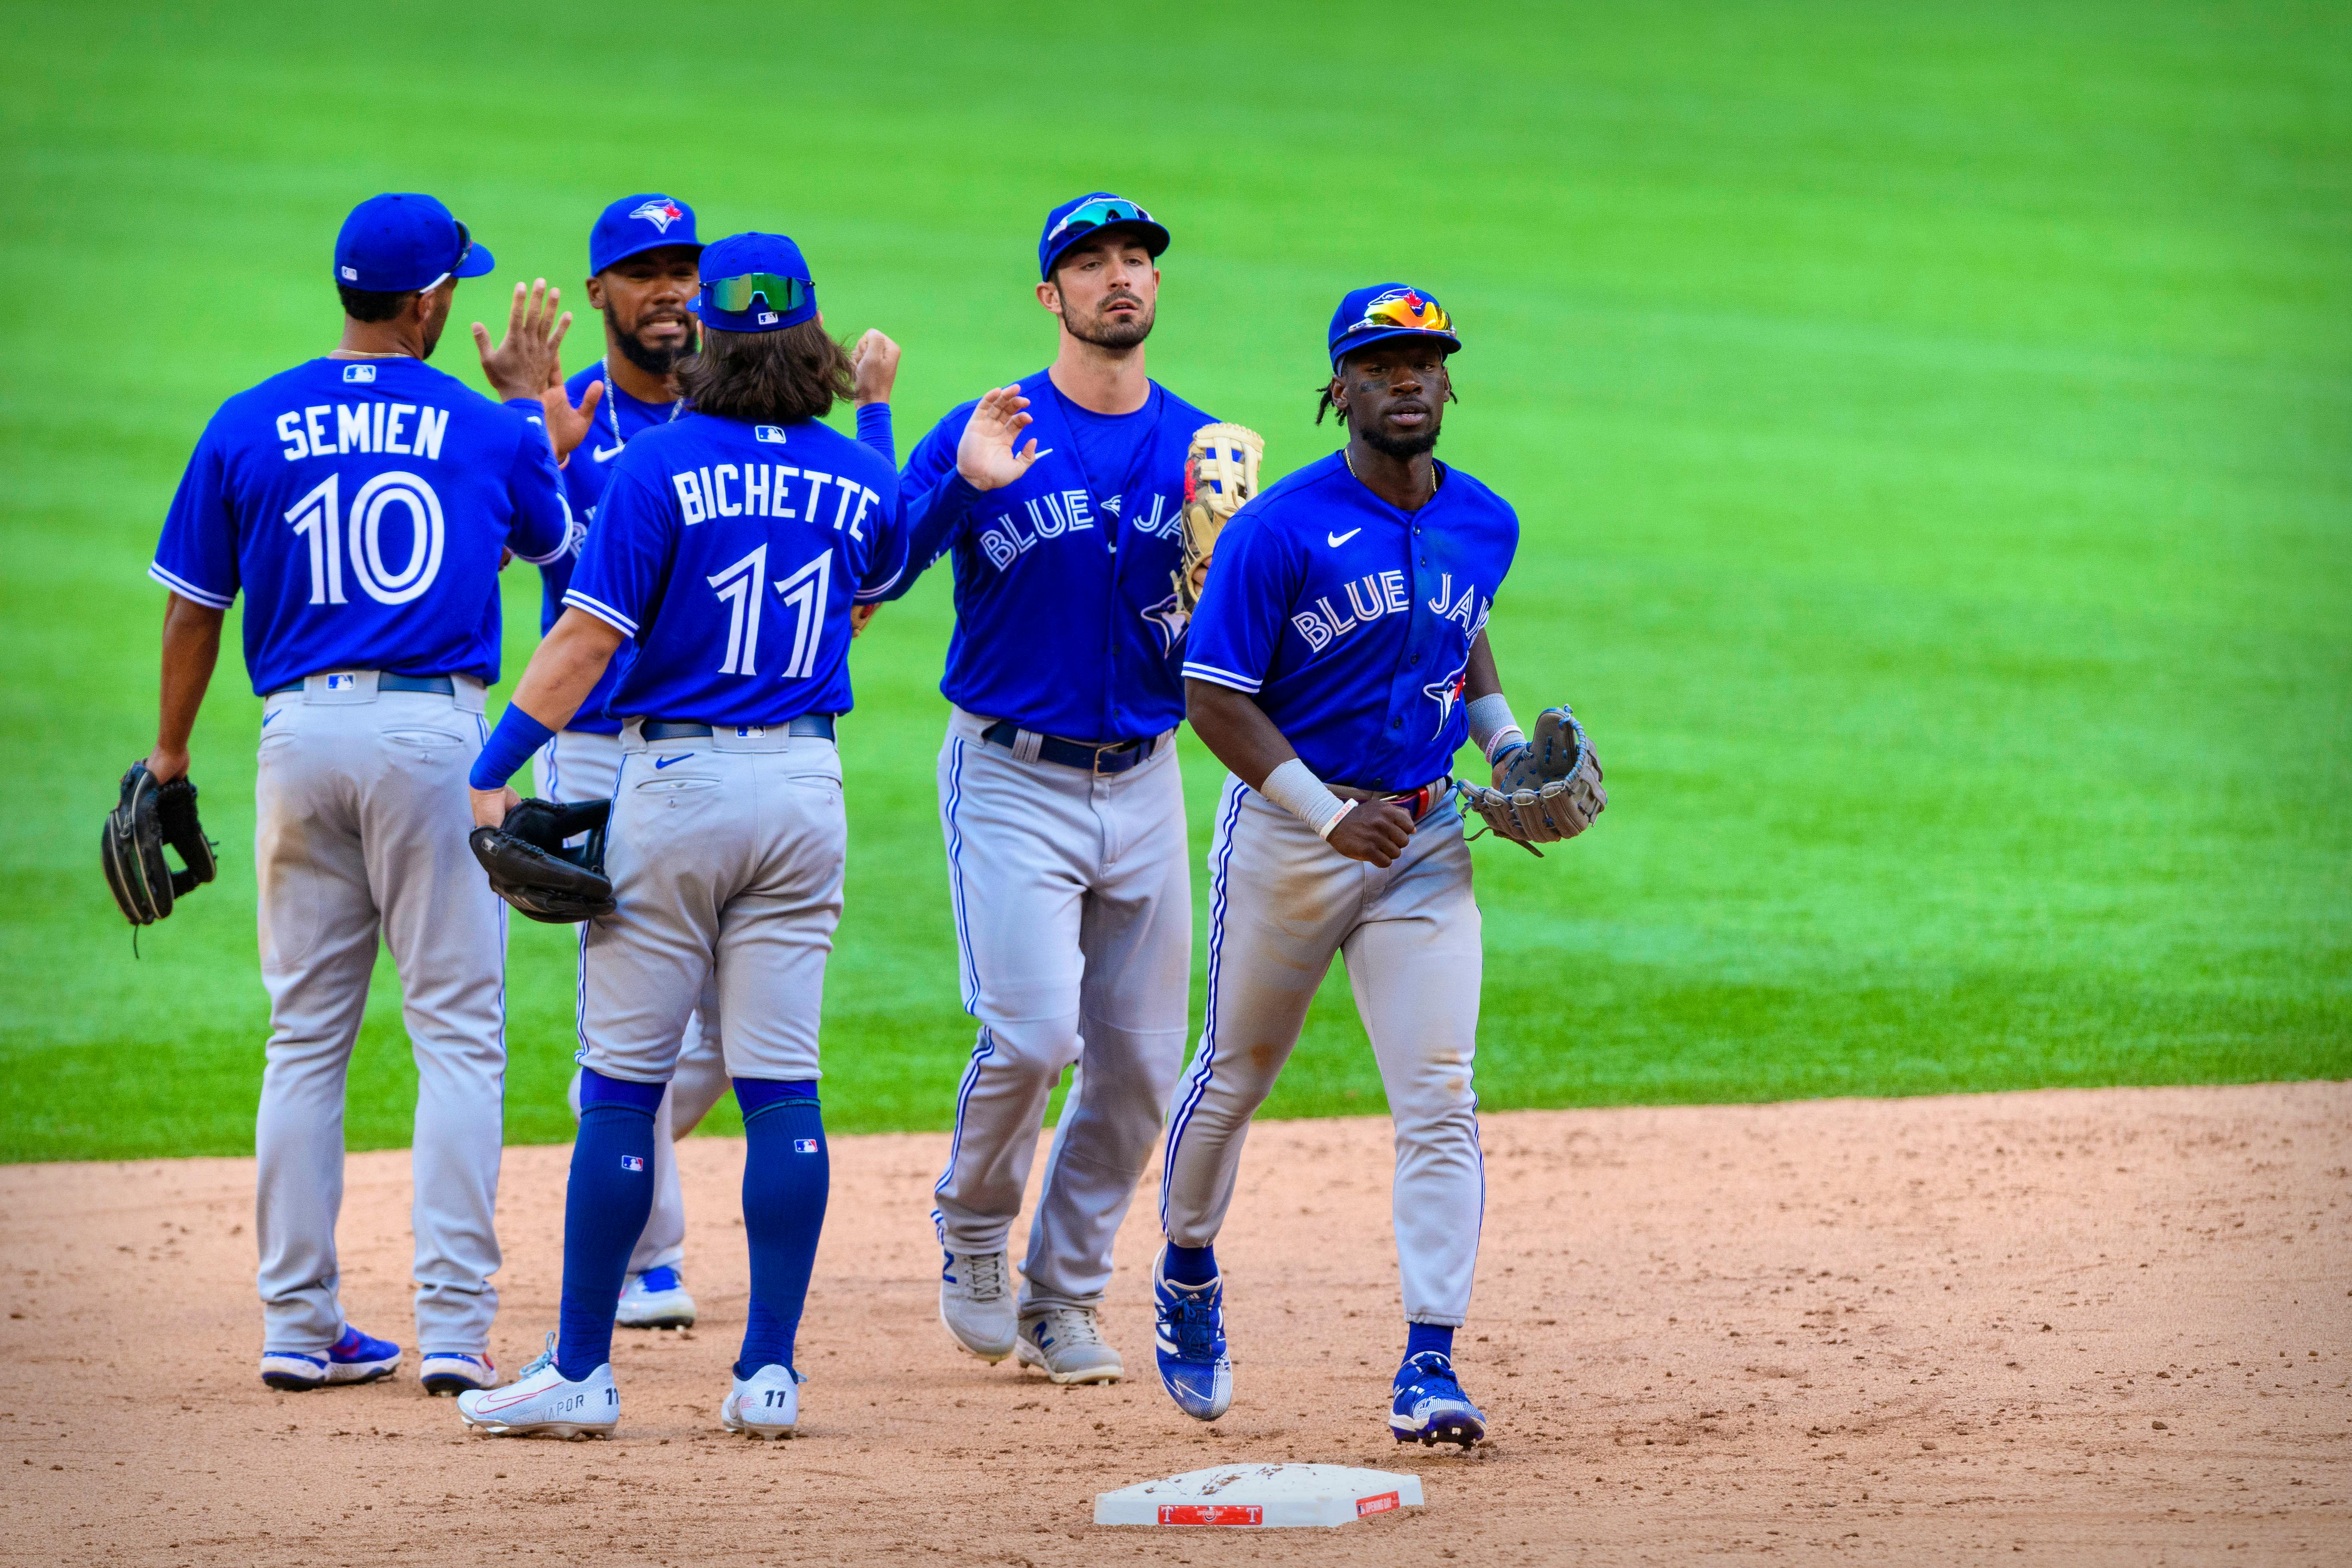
(731, 554)
(362, 507)
(619, 418)
(1350, 620)
(1067, 617)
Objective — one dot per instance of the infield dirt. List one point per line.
(2079, 1327)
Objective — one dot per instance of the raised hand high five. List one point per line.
(985, 456)
(528, 363)
(568, 427)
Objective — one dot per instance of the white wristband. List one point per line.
(1491, 724)
(1293, 787)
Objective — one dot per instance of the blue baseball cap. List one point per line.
(392, 243)
(755, 283)
(634, 224)
(1074, 220)
(1385, 310)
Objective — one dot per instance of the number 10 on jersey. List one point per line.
(805, 591)
(318, 519)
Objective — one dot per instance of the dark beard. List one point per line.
(1404, 448)
(653, 361)
(1110, 335)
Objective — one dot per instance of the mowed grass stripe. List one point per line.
(1929, 435)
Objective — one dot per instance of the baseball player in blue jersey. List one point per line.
(727, 549)
(642, 261)
(1336, 663)
(363, 503)
(1059, 794)
(642, 257)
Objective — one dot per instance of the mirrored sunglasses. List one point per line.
(1414, 312)
(734, 294)
(1096, 213)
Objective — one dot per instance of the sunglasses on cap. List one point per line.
(734, 294)
(465, 249)
(1096, 213)
(1409, 310)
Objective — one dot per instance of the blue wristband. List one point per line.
(509, 746)
(874, 430)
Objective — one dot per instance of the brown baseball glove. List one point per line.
(1547, 789)
(1220, 474)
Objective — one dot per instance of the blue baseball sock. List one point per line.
(1190, 1265)
(1420, 1337)
(787, 1174)
(606, 1202)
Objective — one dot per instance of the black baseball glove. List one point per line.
(1545, 790)
(531, 868)
(130, 849)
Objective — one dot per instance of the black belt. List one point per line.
(819, 724)
(440, 685)
(1115, 758)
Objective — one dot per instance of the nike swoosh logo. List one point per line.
(1338, 539)
(266, 718)
(661, 762)
(606, 454)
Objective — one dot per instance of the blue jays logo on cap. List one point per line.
(1385, 310)
(637, 224)
(661, 212)
(395, 243)
(1074, 220)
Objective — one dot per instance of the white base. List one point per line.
(1261, 1497)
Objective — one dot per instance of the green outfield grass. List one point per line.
(1933, 429)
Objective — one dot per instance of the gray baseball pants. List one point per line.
(580, 765)
(727, 864)
(361, 824)
(1073, 914)
(1282, 901)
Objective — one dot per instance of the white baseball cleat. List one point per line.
(656, 1300)
(449, 1372)
(1067, 1345)
(976, 1304)
(765, 1405)
(544, 1402)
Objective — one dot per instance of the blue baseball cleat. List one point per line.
(354, 1358)
(1189, 1333)
(1430, 1406)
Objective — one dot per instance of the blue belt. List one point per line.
(441, 685)
(670, 730)
(1115, 758)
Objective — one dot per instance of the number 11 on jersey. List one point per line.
(805, 591)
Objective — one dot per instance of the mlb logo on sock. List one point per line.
(633, 1162)
(804, 1145)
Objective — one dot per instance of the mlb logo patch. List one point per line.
(341, 682)
(359, 373)
(351, 274)
(633, 1162)
(750, 732)
(771, 434)
(804, 1145)
(768, 317)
